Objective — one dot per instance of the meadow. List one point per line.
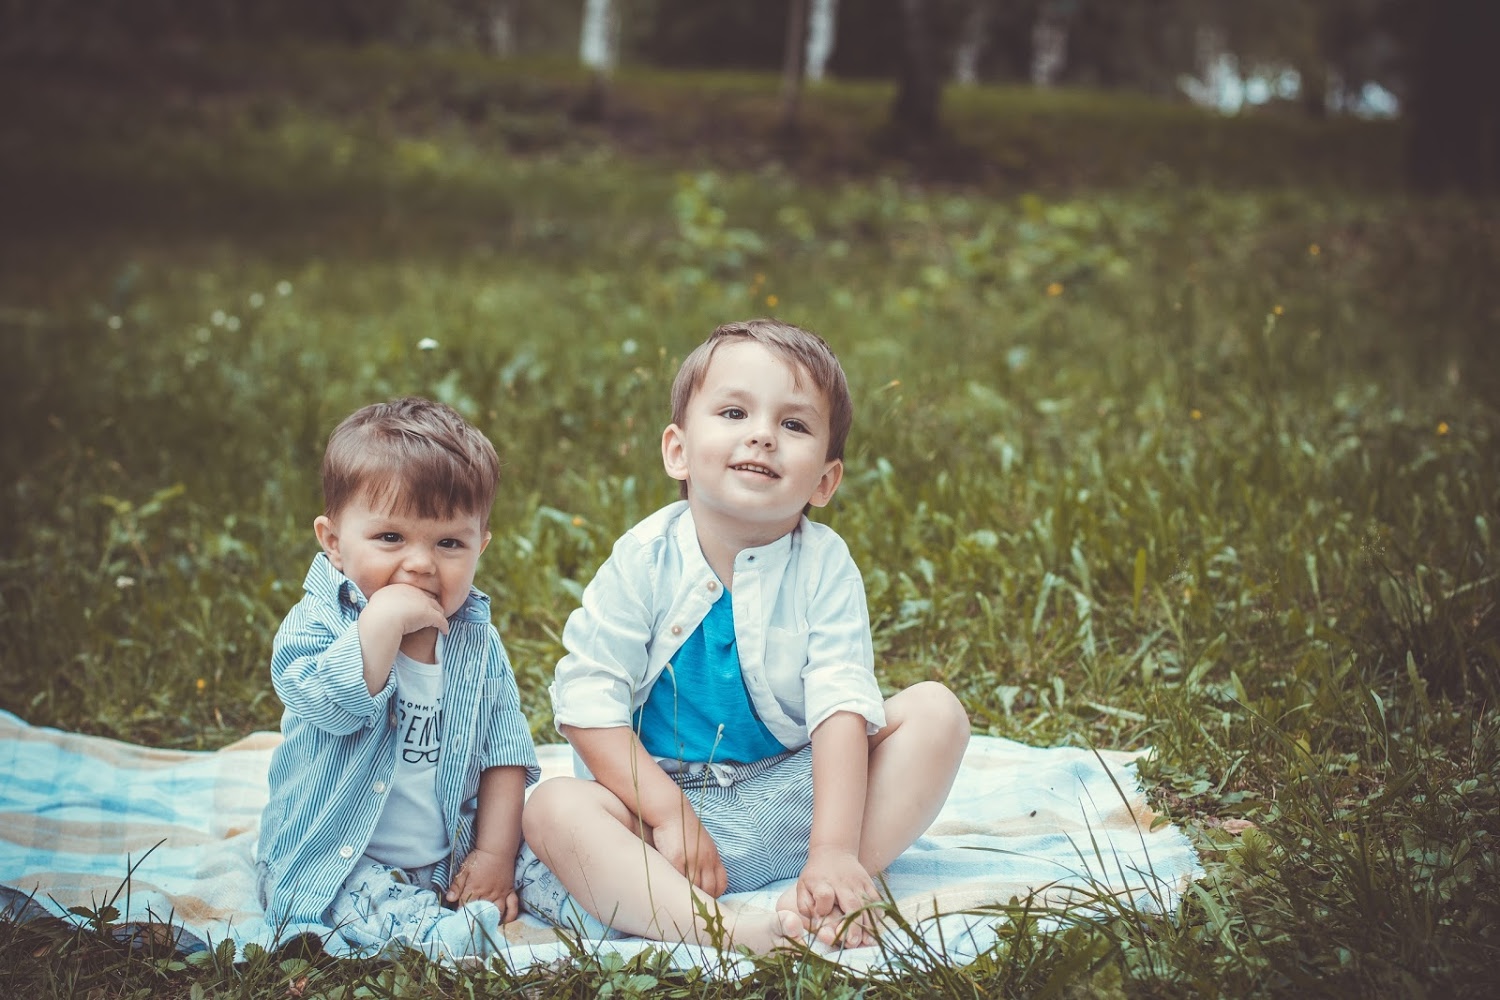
(1171, 431)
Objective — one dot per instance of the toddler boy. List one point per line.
(399, 783)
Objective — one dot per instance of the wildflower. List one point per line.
(577, 521)
(1442, 428)
(1054, 290)
(1313, 249)
(771, 301)
(218, 317)
(256, 300)
(283, 288)
(427, 344)
(1196, 414)
(629, 347)
(115, 322)
(232, 323)
(1276, 309)
(124, 582)
(200, 684)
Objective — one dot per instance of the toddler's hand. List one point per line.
(405, 608)
(690, 849)
(834, 885)
(486, 875)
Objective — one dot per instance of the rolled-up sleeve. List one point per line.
(607, 641)
(840, 672)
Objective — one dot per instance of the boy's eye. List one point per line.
(450, 543)
(795, 425)
(390, 537)
(733, 413)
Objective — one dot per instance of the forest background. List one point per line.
(1175, 428)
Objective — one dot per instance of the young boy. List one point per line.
(405, 747)
(718, 684)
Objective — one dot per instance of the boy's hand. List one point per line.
(486, 875)
(690, 849)
(832, 886)
(406, 609)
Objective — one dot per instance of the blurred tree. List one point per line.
(598, 38)
(793, 65)
(919, 86)
(1455, 107)
(822, 27)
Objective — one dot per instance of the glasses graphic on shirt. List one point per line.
(417, 756)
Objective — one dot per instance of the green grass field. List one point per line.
(1171, 431)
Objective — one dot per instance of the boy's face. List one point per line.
(753, 444)
(375, 547)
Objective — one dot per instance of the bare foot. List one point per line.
(763, 931)
(830, 930)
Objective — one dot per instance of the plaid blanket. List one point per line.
(96, 829)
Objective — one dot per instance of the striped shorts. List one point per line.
(759, 814)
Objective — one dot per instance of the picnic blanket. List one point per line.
(166, 838)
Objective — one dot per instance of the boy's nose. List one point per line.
(762, 436)
(418, 560)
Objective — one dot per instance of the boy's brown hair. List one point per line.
(417, 456)
(809, 354)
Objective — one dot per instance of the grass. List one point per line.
(1188, 446)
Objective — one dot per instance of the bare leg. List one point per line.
(587, 837)
(913, 762)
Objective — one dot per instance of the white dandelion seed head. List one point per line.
(427, 344)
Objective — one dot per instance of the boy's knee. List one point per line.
(547, 803)
(940, 711)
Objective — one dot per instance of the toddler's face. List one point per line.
(376, 547)
(753, 445)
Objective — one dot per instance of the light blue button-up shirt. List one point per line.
(330, 775)
(800, 622)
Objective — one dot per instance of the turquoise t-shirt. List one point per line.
(712, 718)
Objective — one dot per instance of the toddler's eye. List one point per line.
(389, 537)
(795, 425)
(451, 543)
(733, 413)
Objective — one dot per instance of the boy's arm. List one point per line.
(489, 871)
(834, 883)
(318, 672)
(619, 762)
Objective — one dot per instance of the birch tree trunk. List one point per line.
(596, 50)
(971, 45)
(822, 23)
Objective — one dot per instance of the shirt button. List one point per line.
(713, 585)
(346, 852)
(676, 629)
(378, 787)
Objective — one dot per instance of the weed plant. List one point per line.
(1170, 464)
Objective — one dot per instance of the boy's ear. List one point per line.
(484, 543)
(832, 476)
(674, 453)
(329, 539)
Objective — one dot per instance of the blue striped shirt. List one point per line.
(330, 775)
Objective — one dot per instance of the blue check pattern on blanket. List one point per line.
(79, 815)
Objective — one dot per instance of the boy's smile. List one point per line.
(753, 446)
(376, 547)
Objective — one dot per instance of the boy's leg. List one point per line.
(913, 762)
(588, 838)
(914, 759)
(380, 905)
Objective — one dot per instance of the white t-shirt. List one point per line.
(409, 833)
